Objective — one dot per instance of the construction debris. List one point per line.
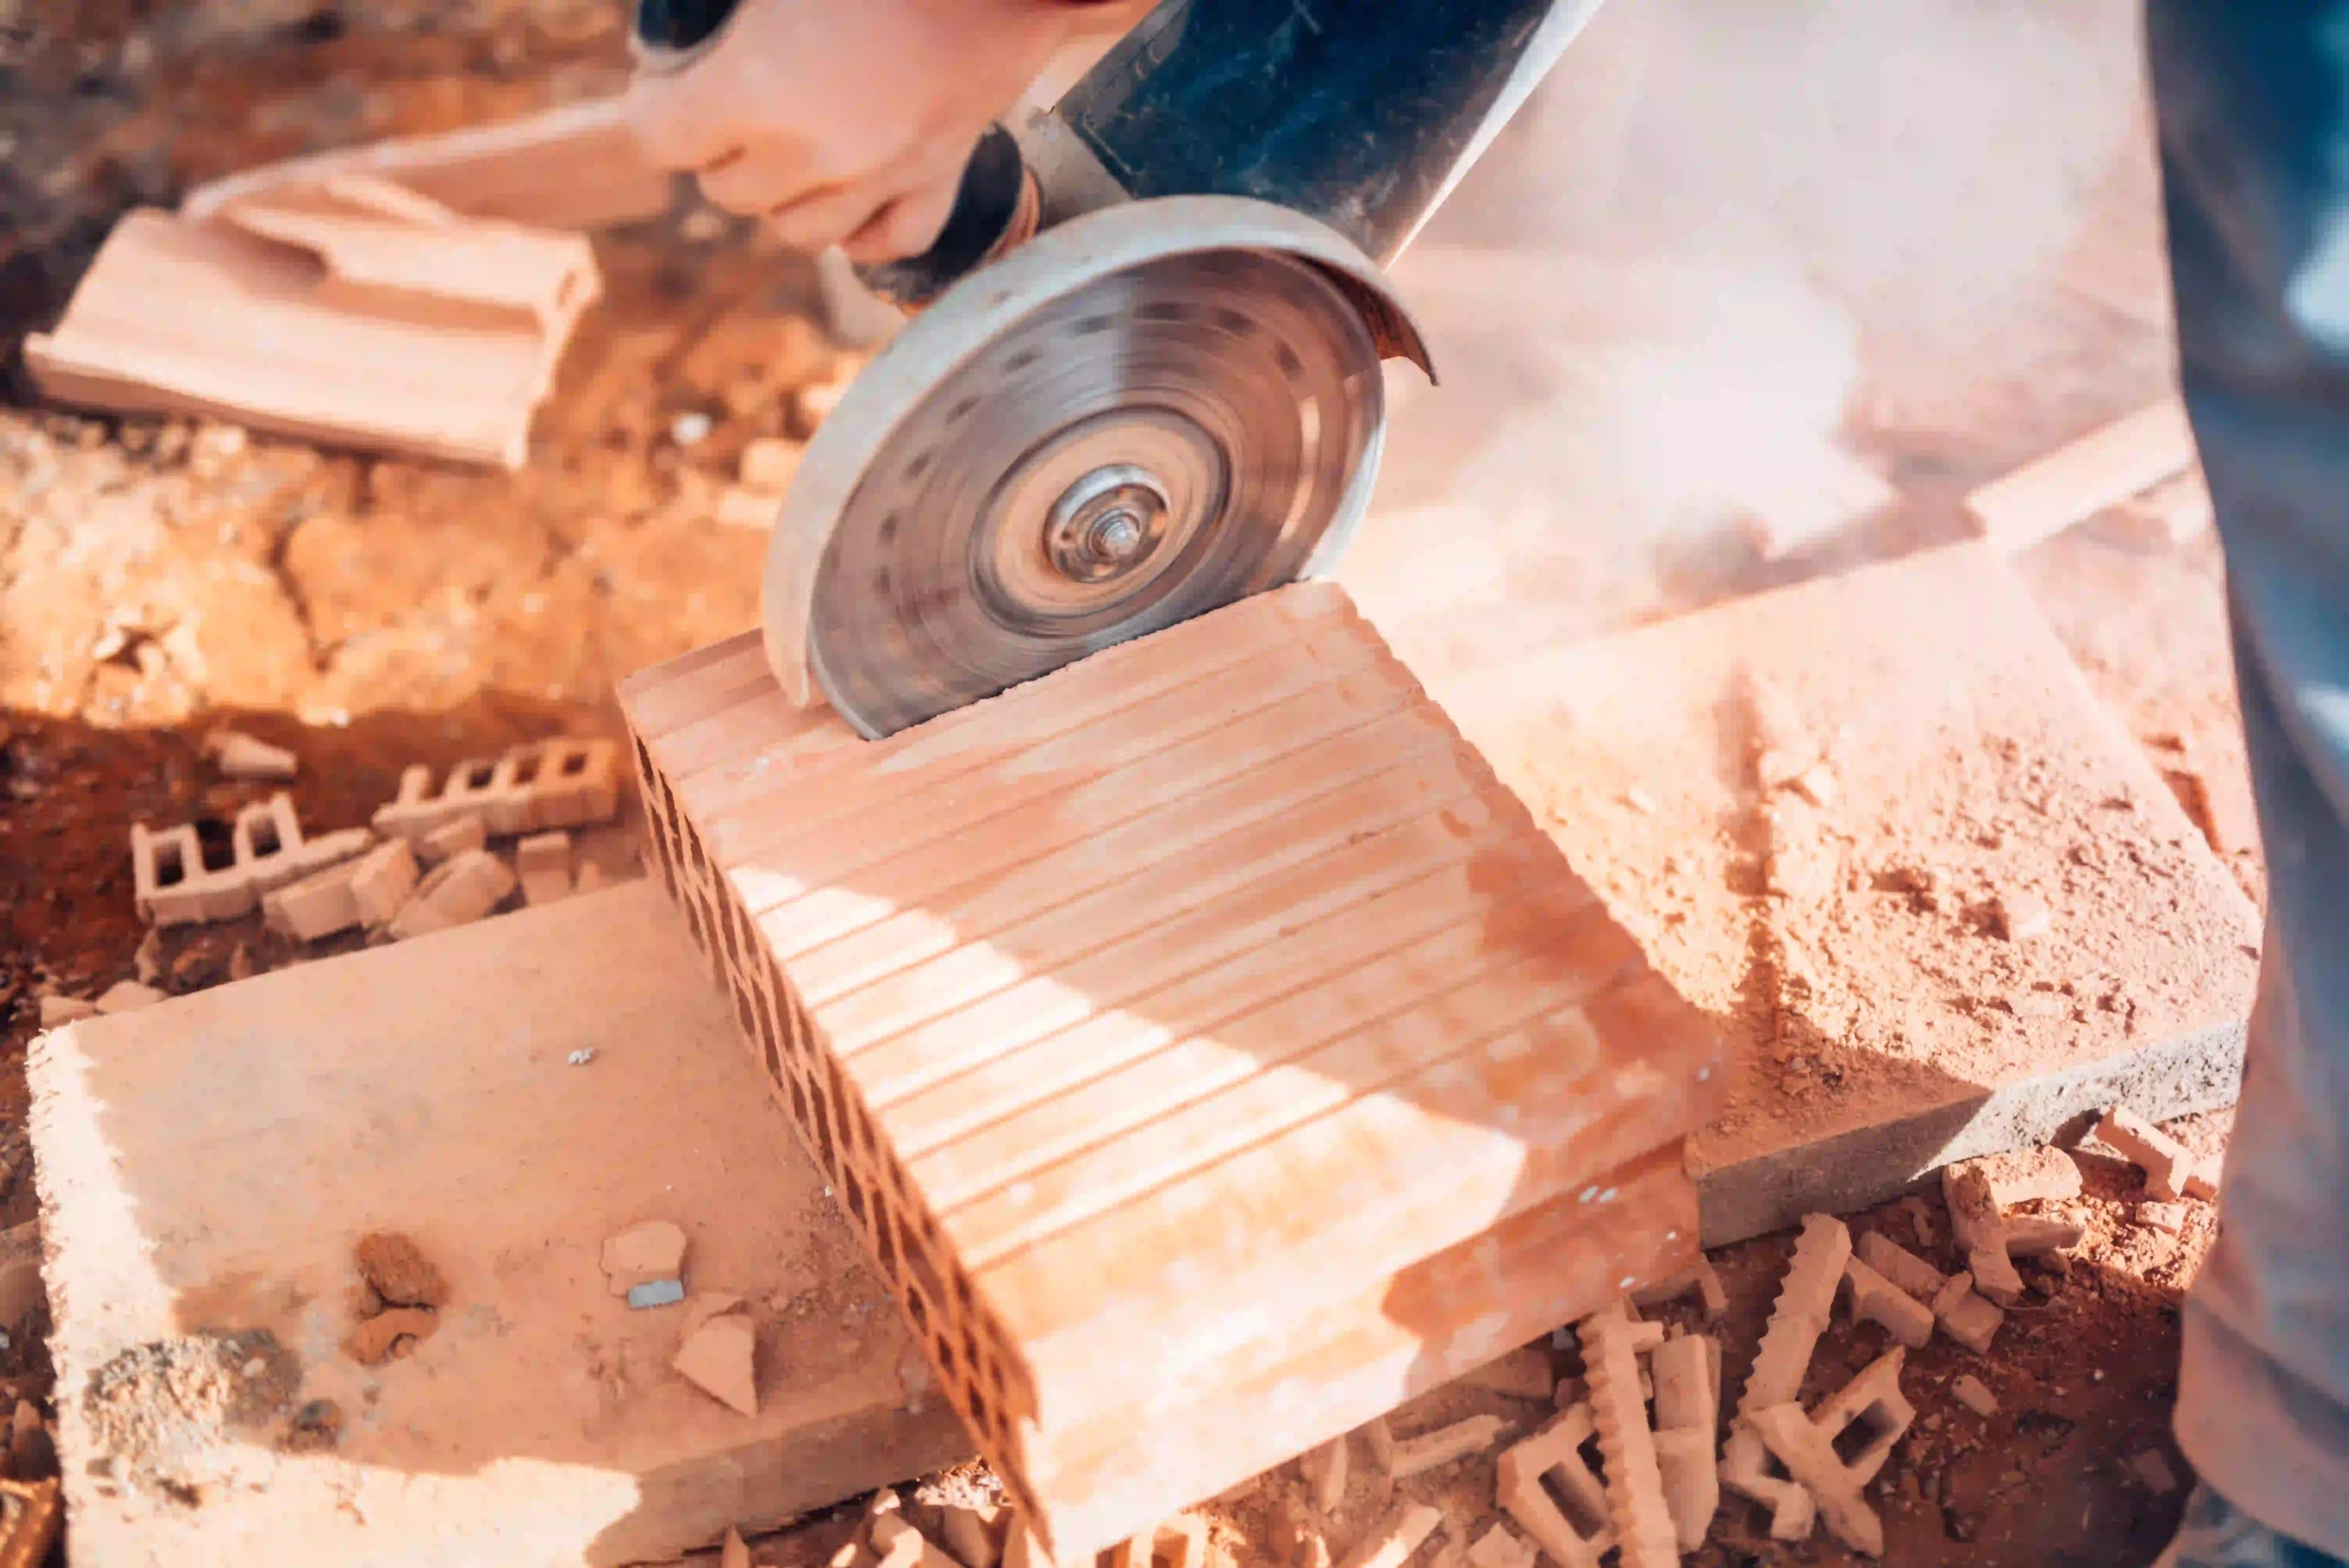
(544, 861)
(2166, 1216)
(390, 1334)
(367, 891)
(1991, 1240)
(457, 892)
(57, 1011)
(170, 885)
(971, 1535)
(422, 331)
(659, 1293)
(554, 784)
(1875, 1299)
(241, 756)
(643, 1254)
(1687, 1373)
(2074, 483)
(396, 1270)
(125, 994)
(1612, 1342)
(2019, 917)
(1546, 1469)
(1698, 1278)
(1521, 1375)
(2153, 1469)
(1433, 1451)
(1810, 1448)
(1324, 1469)
(1962, 1315)
(718, 1359)
(1397, 1536)
(1500, 1548)
(2040, 1174)
(1806, 1297)
(2172, 1171)
(453, 838)
(577, 166)
(1971, 1392)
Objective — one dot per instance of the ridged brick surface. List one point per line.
(1209, 996)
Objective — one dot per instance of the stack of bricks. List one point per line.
(1210, 1051)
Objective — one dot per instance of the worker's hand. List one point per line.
(848, 122)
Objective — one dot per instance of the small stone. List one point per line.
(643, 1254)
(2153, 1471)
(1974, 1395)
(718, 1358)
(2019, 917)
(316, 1428)
(690, 430)
(242, 756)
(768, 465)
(658, 1293)
(124, 995)
(1644, 803)
(2168, 1217)
(58, 1011)
(582, 1057)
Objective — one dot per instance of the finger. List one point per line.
(827, 215)
(668, 125)
(906, 226)
(755, 180)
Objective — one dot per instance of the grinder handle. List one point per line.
(995, 208)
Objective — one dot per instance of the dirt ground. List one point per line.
(158, 579)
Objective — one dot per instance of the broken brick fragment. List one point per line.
(395, 1268)
(390, 1335)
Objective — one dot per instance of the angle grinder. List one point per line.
(1142, 378)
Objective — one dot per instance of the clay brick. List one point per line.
(1901, 1267)
(450, 838)
(1397, 1536)
(2082, 477)
(1687, 1421)
(563, 782)
(422, 332)
(2153, 1469)
(1966, 1317)
(544, 862)
(58, 1011)
(1433, 1451)
(1952, 702)
(1325, 1473)
(363, 892)
(1523, 1374)
(1800, 1315)
(1555, 1453)
(1990, 1240)
(1875, 1299)
(1202, 971)
(652, 1251)
(1806, 1445)
(2172, 1171)
(172, 886)
(456, 893)
(1612, 1342)
(2043, 1174)
(576, 166)
(1698, 1278)
(1499, 1548)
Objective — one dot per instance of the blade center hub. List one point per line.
(1107, 524)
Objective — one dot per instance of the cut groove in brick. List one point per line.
(1213, 970)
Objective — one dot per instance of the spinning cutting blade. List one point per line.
(1070, 450)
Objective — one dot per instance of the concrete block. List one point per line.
(207, 1165)
(1212, 971)
(1970, 758)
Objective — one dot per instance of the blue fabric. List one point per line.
(2217, 1534)
(2253, 108)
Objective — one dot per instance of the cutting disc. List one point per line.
(1132, 420)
